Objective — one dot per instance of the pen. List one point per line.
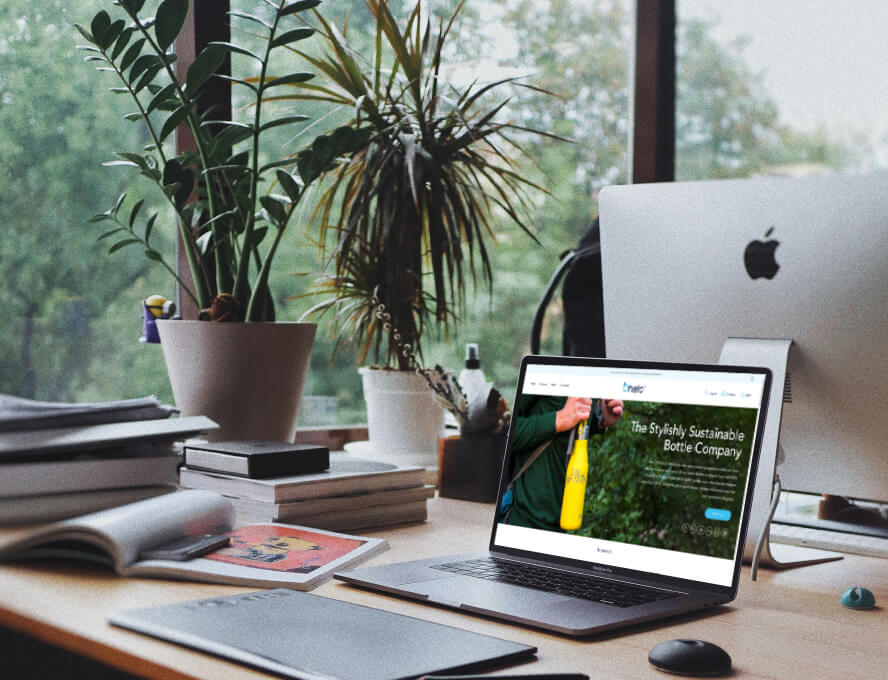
(537, 676)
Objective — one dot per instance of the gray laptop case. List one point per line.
(666, 502)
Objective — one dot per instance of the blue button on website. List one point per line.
(718, 513)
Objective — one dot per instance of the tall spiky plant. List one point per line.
(408, 213)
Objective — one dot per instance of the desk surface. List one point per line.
(788, 624)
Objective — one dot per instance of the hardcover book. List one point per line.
(264, 555)
(345, 475)
(259, 459)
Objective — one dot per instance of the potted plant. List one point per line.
(408, 212)
(231, 206)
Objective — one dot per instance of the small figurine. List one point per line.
(155, 307)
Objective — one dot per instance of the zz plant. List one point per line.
(232, 205)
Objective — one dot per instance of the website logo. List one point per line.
(634, 389)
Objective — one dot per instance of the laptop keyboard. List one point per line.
(605, 591)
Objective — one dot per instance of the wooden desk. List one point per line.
(786, 625)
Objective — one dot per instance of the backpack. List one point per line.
(582, 298)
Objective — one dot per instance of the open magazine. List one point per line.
(260, 555)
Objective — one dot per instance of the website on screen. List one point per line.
(637, 469)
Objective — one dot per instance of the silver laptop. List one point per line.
(655, 529)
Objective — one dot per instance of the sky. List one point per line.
(824, 63)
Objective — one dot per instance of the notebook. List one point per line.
(300, 635)
(655, 529)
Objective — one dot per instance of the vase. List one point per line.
(469, 466)
(404, 420)
(248, 377)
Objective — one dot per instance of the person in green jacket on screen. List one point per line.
(539, 490)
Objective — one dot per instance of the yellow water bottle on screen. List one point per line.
(575, 481)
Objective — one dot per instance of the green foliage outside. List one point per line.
(635, 493)
(71, 318)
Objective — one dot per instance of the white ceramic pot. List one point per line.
(404, 420)
(248, 377)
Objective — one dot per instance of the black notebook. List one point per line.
(300, 635)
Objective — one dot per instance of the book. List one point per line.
(355, 503)
(143, 465)
(49, 507)
(263, 555)
(345, 475)
(338, 520)
(258, 459)
(31, 444)
(17, 413)
(306, 636)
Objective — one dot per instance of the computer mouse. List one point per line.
(690, 657)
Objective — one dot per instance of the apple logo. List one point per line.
(759, 257)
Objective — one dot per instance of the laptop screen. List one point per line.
(632, 465)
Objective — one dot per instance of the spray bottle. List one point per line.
(575, 481)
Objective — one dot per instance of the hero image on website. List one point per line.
(646, 473)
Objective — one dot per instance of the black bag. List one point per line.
(582, 298)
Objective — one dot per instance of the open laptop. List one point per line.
(666, 504)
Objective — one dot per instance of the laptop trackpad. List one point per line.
(488, 595)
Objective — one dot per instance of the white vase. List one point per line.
(248, 377)
(404, 420)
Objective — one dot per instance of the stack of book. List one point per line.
(63, 460)
(352, 493)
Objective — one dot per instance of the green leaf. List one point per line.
(122, 41)
(134, 50)
(231, 47)
(283, 121)
(135, 211)
(300, 6)
(107, 233)
(86, 34)
(152, 254)
(292, 36)
(204, 66)
(170, 17)
(113, 32)
(122, 244)
(172, 122)
(100, 24)
(251, 17)
(163, 96)
(142, 64)
(276, 210)
(289, 184)
(288, 79)
(149, 226)
(132, 6)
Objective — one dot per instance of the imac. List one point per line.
(800, 262)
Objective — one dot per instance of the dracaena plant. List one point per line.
(231, 206)
(408, 213)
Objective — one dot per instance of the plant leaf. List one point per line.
(295, 35)
(298, 7)
(204, 66)
(176, 117)
(101, 22)
(122, 244)
(289, 184)
(169, 21)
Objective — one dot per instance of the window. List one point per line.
(791, 87)
(72, 317)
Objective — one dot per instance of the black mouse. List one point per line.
(690, 657)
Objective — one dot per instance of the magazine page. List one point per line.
(265, 554)
(123, 532)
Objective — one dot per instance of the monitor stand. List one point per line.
(772, 354)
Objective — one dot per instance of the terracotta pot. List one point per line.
(248, 377)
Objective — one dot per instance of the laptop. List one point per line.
(659, 527)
